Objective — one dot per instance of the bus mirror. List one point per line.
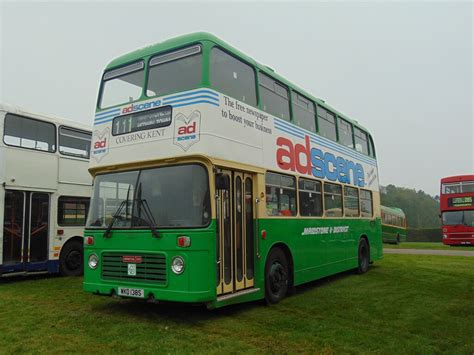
(222, 182)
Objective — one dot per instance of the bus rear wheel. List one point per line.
(71, 261)
(276, 276)
(364, 256)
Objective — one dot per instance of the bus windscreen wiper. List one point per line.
(117, 213)
(114, 218)
(149, 220)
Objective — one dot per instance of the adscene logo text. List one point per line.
(308, 160)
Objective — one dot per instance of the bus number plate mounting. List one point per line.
(131, 292)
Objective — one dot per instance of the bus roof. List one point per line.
(48, 118)
(457, 178)
(393, 210)
(191, 38)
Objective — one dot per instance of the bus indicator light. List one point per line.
(60, 231)
(264, 234)
(89, 240)
(184, 241)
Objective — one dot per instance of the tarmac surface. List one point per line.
(430, 252)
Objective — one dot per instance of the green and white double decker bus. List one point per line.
(217, 181)
(394, 225)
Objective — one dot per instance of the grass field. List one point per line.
(405, 303)
(427, 245)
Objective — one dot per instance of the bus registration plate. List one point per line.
(131, 292)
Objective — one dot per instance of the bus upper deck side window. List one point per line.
(327, 123)
(233, 77)
(303, 112)
(372, 147)
(361, 142)
(274, 97)
(176, 71)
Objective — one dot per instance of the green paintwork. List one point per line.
(393, 234)
(208, 41)
(313, 256)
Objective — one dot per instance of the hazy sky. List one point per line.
(403, 70)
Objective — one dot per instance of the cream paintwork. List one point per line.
(37, 171)
(224, 138)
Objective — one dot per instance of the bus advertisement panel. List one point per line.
(222, 182)
(457, 209)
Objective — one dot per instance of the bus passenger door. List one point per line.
(235, 233)
(38, 228)
(13, 227)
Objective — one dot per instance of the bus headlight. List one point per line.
(93, 261)
(177, 265)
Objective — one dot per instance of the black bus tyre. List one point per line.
(364, 256)
(71, 260)
(276, 276)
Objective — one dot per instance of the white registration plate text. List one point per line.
(131, 292)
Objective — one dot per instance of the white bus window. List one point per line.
(74, 142)
(274, 97)
(303, 112)
(366, 209)
(333, 200)
(345, 133)
(327, 123)
(176, 71)
(122, 85)
(29, 133)
(232, 77)
(361, 142)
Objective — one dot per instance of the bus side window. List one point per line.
(233, 77)
(274, 97)
(366, 209)
(361, 142)
(303, 112)
(327, 124)
(311, 203)
(332, 200)
(281, 195)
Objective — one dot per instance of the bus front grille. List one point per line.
(152, 268)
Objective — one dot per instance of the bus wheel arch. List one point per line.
(71, 257)
(279, 261)
(363, 255)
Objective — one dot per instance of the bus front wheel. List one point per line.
(276, 276)
(364, 256)
(71, 259)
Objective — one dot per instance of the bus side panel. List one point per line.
(320, 247)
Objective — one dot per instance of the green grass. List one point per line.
(405, 303)
(428, 245)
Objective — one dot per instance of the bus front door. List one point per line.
(235, 233)
(25, 231)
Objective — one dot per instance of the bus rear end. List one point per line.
(457, 209)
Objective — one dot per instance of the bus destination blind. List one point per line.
(143, 120)
(466, 201)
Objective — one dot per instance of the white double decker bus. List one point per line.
(44, 194)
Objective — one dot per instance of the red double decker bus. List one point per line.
(457, 209)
